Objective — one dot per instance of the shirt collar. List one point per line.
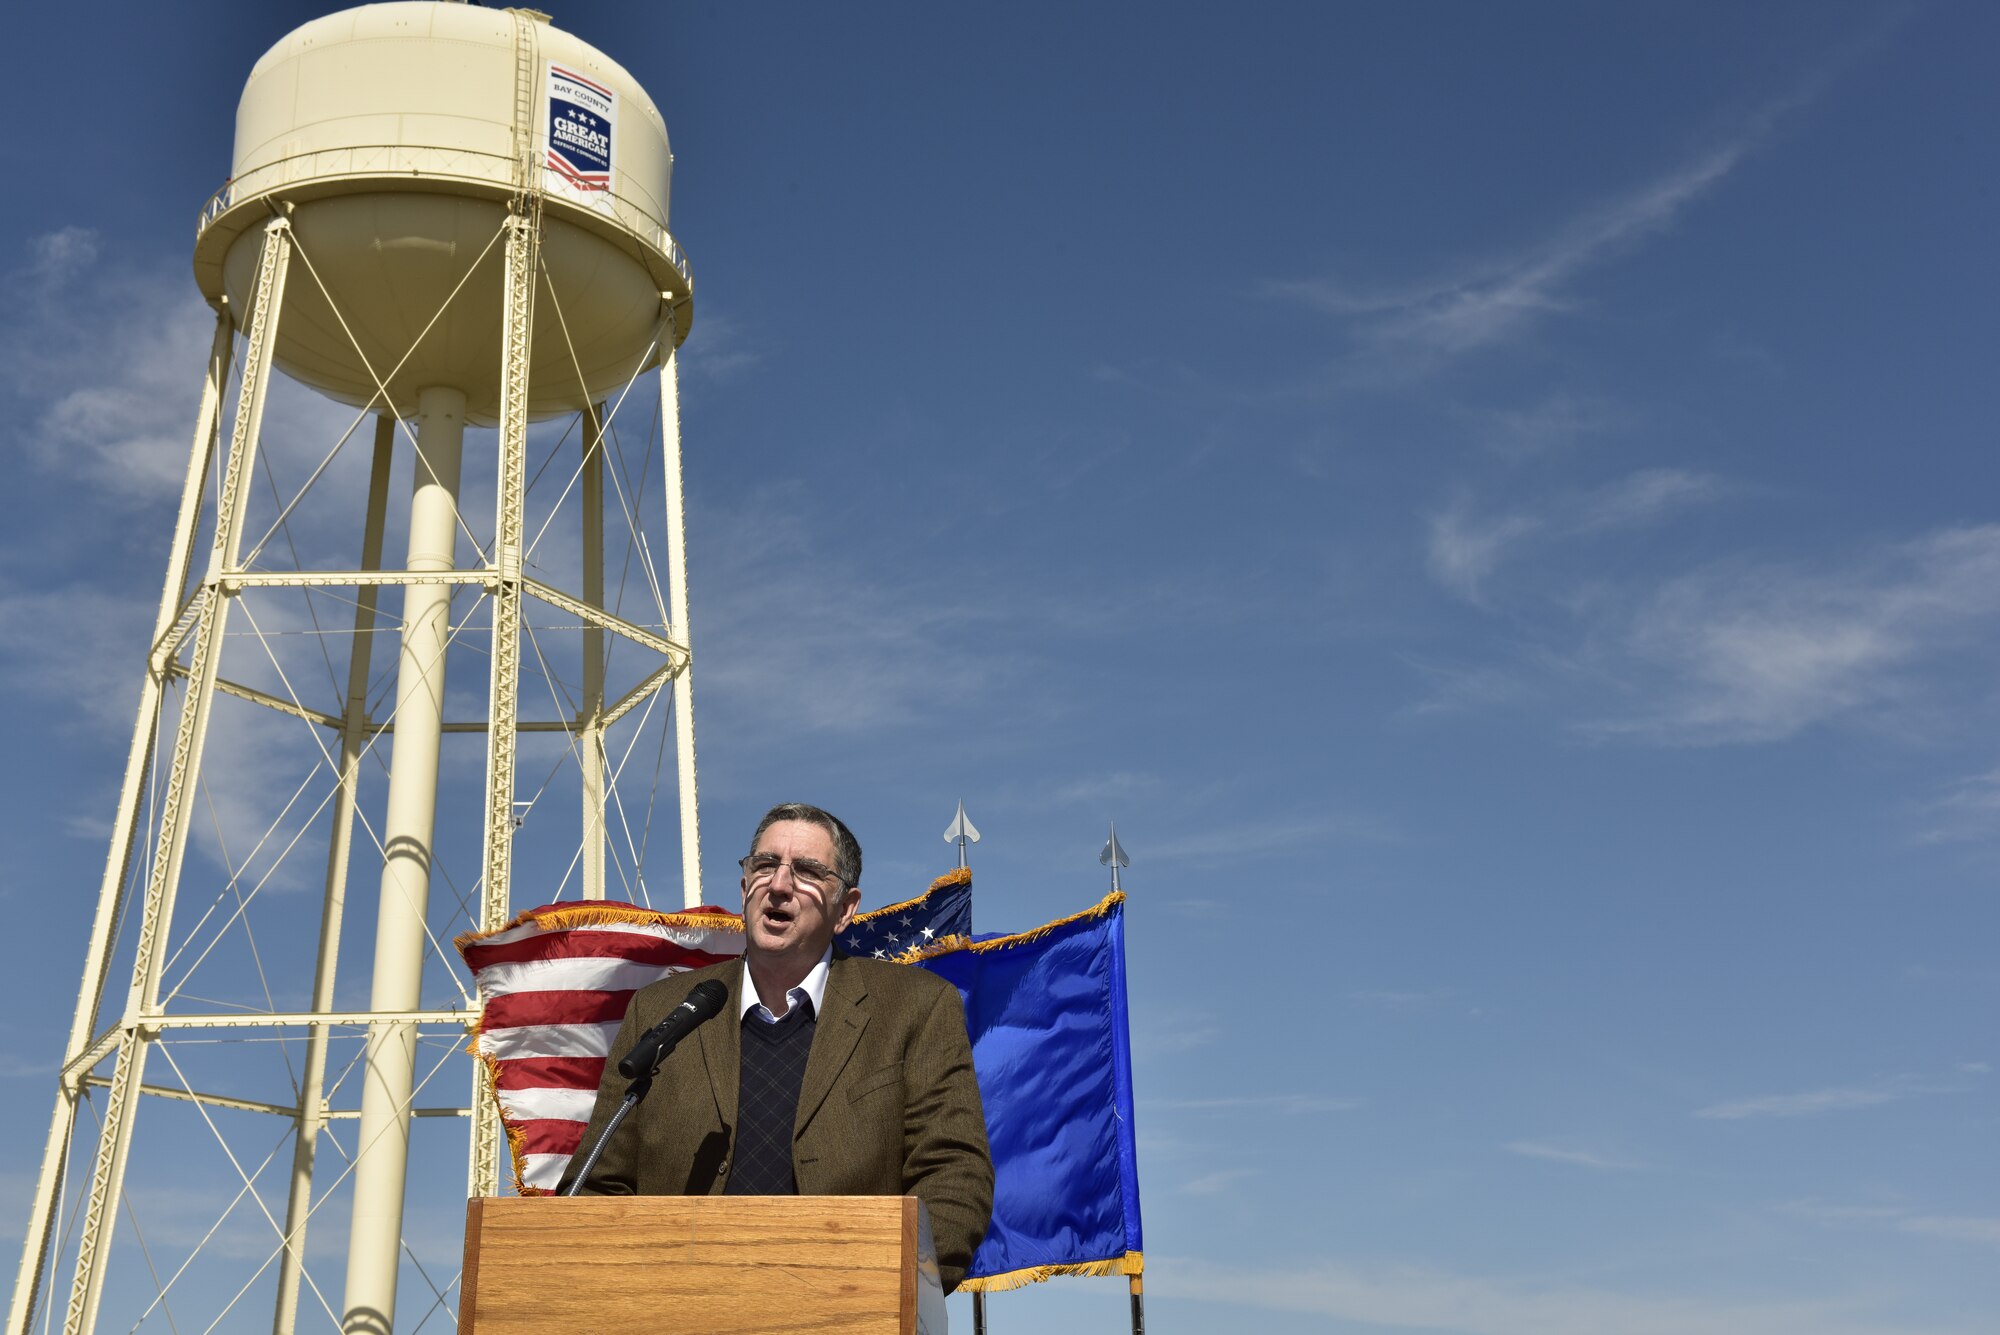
(810, 988)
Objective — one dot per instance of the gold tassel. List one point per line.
(1131, 1263)
(950, 943)
(955, 877)
(517, 1139)
(560, 917)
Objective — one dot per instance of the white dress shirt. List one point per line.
(810, 988)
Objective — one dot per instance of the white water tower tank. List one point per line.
(397, 134)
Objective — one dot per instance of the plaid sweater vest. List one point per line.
(767, 1103)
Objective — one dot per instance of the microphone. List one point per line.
(653, 1046)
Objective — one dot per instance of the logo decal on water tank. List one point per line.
(581, 114)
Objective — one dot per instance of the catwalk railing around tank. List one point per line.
(639, 215)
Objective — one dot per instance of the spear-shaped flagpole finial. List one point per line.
(962, 832)
(1114, 857)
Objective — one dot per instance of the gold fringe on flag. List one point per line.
(1131, 1263)
(598, 913)
(953, 943)
(585, 913)
(517, 1139)
(955, 877)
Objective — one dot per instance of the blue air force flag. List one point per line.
(1046, 1010)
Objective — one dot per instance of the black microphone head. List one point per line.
(707, 998)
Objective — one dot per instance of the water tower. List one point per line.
(446, 218)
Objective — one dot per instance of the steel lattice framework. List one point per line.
(216, 638)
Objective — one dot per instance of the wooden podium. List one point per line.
(702, 1265)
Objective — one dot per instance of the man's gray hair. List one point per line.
(846, 848)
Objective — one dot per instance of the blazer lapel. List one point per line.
(836, 1032)
(722, 1048)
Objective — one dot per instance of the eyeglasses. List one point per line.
(760, 868)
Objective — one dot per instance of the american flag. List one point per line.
(938, 914)
(555, 982)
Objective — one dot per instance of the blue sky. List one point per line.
(1495, 501)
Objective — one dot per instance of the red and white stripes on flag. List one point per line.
(554, 985)
(555, 982)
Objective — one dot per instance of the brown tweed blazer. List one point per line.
(889, 1104)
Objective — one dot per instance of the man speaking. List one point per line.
(822, 1074)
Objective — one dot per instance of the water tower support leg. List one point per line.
(590, 720)
(375, 1240)
(670, 430)
(340, 840)
(503, 694)
(114, 1141)
(124, 837)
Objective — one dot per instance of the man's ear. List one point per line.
(850, 904)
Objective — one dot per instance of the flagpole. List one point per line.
(962, 832)
(1115, 857)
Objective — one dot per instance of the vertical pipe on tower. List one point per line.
(375, 1238)
(590, 730)
(677, 596)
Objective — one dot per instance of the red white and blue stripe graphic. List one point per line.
(581, 116)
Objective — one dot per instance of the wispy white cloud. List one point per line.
(1273, 834)
(1967, 808)
(877, 652)
(1409, 327)
(1644, 497)
(1980, 1230)
(1194, 908)
(1804, 1104)
(1741, 650)
(1288, 1104)
(1534, 1149)
(1462, 548)
(1552, 423)
(1415, 1297)
(105, 364)
(1108, 791)
(1983, 1230)
(1394, 1000)
(1834, 1098)
(1747, 652)
(14, 1067)
(1451, 688)
(719, 348)
(1170, 1031)
(1819, 1212)
(78, 644)
(56, 257)
(1214, 1184)
(1431, 319)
